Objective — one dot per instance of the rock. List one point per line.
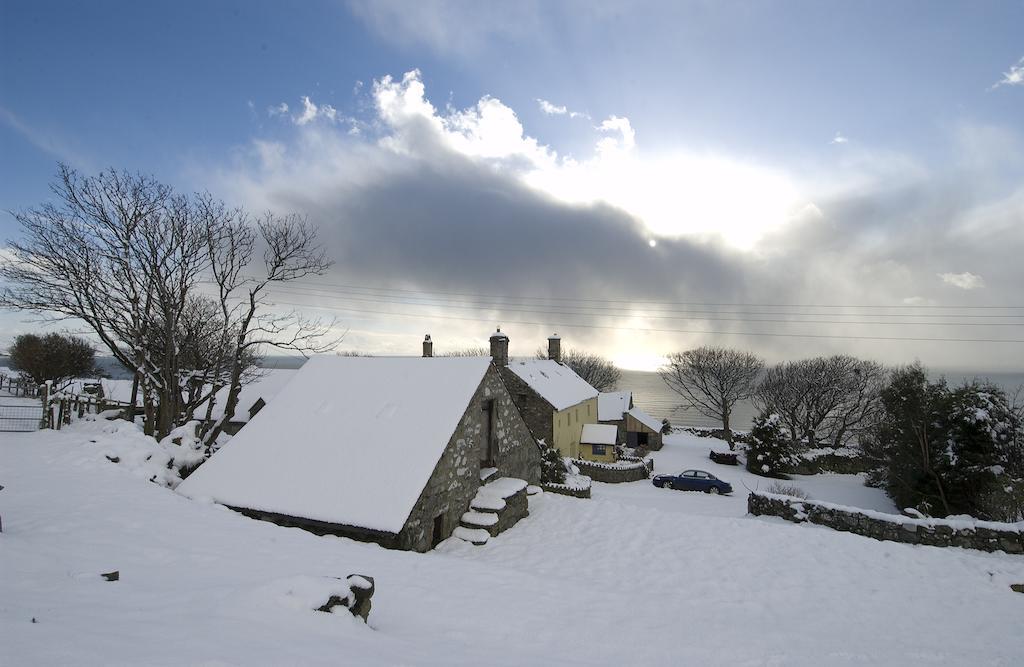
(358, 603)
(1018, 588)
(362, 588)
(112, 576)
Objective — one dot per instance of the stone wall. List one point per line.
(612, 474)
(563, 490)
(981, 535)
(455, 480)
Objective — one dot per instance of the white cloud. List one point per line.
(310, 112)
(1015, 77)
(626, 141)
(839, 139)
(551, 109)
(487, 130)
(965, 280)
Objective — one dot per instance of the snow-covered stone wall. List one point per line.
(966, 533)
(622, 471)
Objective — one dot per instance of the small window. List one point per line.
(598, 450)
(588, 409)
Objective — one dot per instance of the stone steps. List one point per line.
(497, 506)
(473, 519)
(477, 536)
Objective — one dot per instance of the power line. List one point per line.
(438, 303)
(320, 284)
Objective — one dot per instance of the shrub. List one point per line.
(770, 453)
(781, 489)
(946, 451)
(552, 466)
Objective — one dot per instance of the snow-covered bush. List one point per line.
(770, 452)
(552, 466)
(125, 445)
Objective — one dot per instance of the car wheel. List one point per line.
(713, 490)
(669, 485)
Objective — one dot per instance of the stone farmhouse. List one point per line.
(404, 452)
(555, 402)
(634, 427)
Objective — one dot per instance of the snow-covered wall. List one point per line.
(966, 533)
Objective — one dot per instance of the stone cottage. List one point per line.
(402, 451)
(635, 428)
(555, 402)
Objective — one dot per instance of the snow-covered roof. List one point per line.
(611, 405)
(555, 382)
(349, 440)
(266, 386)
(645, 419)
(598, 434)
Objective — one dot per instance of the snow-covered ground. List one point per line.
(636, 575)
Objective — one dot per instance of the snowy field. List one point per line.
(634, 576)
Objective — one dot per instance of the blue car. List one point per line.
(693, 480)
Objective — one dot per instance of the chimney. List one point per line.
(428, 346)
(555, 347)
(499, 348)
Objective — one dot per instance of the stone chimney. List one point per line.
(555, 347)
(428, 346)
(499, 348)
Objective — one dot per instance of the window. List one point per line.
(597, 450)
(588, 409)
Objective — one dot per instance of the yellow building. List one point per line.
(597, 442)
(568, 425)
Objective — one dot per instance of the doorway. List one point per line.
(438, 535)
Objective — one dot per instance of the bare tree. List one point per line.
(126, 255)
(468, 352)
(597, 371)
(860, 403)
(291, 252)
(713, 380)
(803, 393)
(832, 397)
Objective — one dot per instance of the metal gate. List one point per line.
(20, 418)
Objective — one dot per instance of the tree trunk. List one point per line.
(134, 399)
(727, 430)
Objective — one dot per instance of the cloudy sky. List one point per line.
(792, 178)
